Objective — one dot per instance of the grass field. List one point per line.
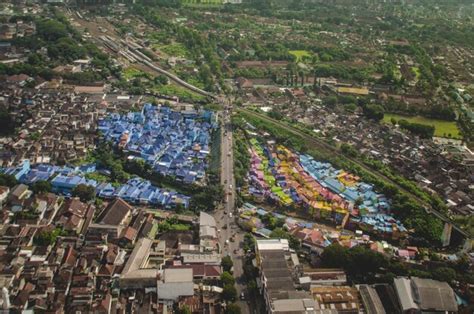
(181, 92)
(442, 128)
(174, 50)
(131, 73)
(299, 54)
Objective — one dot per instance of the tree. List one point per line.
(183, 310)
(374, 112)
(279, 233)
(45, 238)
(249, 242)
(232, 309)
(444, 274)
(227, 278)
(334, 255)
(8, 180)
(161, 80)
(227, 263)
(51, 29)
(84, 192)
(41, 186)
(7, 124)
(229, 293)
(348, 150)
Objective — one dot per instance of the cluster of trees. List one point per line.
(367, 266)
(435, 111)
(107, 157)
(241, 158)
(41, 186)
(64, 44)
(45, 237)
(201, 48)
(8, 180)
(422, 130)
(172, 223)
(342, 72)
(373, 111)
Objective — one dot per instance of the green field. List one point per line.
(181, 92)
(442, 128)
(299, 54)
(173, 50)
(131, 73)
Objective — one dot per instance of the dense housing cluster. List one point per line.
(288, 178)
(173, 143)
(65, 179)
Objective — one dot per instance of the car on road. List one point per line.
(226, 242)
(242, 296)
(230, 215)
(228, 154)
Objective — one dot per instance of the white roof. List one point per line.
(273, 244)
(178, 275)
(174, 290)
(206, 220)
(294, 305)
(207, 231)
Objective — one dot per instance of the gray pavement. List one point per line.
(230, 235)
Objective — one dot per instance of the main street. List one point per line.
(230, 235)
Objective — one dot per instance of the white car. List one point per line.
(230, 215)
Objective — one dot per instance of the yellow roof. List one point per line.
(353, 90)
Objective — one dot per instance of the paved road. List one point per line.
(230, 235)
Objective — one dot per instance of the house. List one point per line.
(116, 213)
(73, 215)
(4, 191)
(18, 194)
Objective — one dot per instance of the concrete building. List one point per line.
(142, 267)
(417, 295)
(173, 284)
(276, 279)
